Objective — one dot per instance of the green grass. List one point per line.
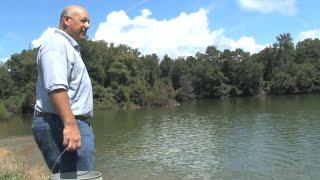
(3, 111)
(9, 175)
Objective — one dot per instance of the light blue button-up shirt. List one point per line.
(60, 66)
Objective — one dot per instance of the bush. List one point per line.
(3, 111)
(265, 86)
(13, 103)
(160, 95)
(103, 97)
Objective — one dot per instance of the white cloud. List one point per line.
(183, 35)
(315, 33)
(37, 42)
(286, 7)
(246, 43)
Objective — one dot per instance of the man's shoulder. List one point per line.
(54, 42)
(55, 38)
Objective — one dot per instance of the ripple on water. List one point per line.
(190, 145)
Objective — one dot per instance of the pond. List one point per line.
(241, 138)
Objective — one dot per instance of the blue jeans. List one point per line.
(48, 134)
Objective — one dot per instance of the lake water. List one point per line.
(242, 138)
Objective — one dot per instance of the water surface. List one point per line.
(243, 138)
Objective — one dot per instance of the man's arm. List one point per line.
(71, 132)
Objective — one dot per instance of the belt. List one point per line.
(52, 115)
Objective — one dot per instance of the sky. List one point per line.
(173, 27)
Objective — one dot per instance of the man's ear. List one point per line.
(66, 21)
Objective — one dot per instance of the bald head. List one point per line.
(74, 20)
(71, 11)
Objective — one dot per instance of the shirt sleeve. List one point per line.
(54, 67)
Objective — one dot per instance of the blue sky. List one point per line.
(174, 27)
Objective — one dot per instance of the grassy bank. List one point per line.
(20, 159)
(3, 111)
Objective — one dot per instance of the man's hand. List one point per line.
(71, 132)
(71, 137)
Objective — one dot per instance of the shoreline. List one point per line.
(20, 155)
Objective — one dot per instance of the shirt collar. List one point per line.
(69, 38)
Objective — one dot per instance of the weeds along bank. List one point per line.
(20, 159)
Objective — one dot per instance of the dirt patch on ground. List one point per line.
(21, 154)
(4, 152)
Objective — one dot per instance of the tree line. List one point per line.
(124, 78)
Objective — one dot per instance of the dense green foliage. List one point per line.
(124, 78)
(3, 111)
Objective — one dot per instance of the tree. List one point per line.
(308, 51)
(283, 83)
(179, 70)
(161, 94)
(96, 57)
(103, 97)
(266, 57)
(248, 77)
(284, 51)
(207, 80)
(166, 67)
(212, 54)
(186, 91)
(151, 67)
(305, 76)
(7, 84)
(227, 63)
(118, 74)
(22, 67)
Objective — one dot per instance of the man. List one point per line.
(64, 97)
